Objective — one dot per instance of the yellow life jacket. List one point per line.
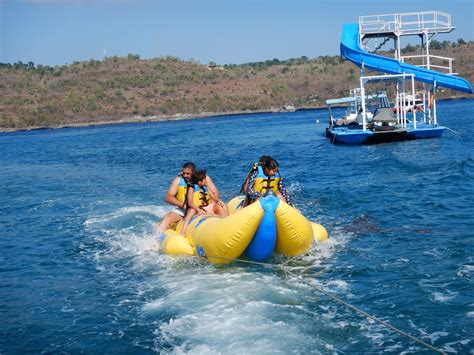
(201, 197)
(182, 189)
(264, 183)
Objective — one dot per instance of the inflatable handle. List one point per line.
(269, 203)
(263, 243)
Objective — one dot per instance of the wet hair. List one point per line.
(270, 164)
(189, 165)
(198, 175)
(264, 158)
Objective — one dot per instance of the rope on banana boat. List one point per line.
(287, 270)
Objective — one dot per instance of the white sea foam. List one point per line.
(444, 297)
(242, 328)
(403, 260)
(339, 284)
(157, 211)
(433, 283)
(294, 188)
(126, 231)
(201, 308)
(323, 251)
(234, 311)
(434, 252)
(395, 348)
(451, 347)
(46, 204)
(466, 271)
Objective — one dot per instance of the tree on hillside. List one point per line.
(434, 44)
(408, 49)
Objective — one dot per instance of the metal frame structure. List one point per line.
(403, 101)
(426, 25)
(359, 41)
(354, 103)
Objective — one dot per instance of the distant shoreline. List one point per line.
(154, 118)
(175, 117)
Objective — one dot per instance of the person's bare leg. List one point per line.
(226, 209)
(219, 210)
(168, 219)
(191, 212)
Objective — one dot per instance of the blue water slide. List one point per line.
(351, 51)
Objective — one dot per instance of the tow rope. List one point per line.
(284, 267)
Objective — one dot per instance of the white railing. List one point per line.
(426, 62)
(402, 81)
(410, 22)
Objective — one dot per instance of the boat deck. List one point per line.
(357, 136)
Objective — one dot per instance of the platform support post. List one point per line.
(435, 118)
(362, 97)
(414, 100)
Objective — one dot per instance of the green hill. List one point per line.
(130, 89)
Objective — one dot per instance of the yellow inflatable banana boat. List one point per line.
(266, 226)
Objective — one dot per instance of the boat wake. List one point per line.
(197, 307)
(190, 305)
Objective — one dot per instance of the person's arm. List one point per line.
(172, 192)
(251, 187)
(284, 191)
(213, 191)
(245, 186)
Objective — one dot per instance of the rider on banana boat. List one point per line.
(245, 185)
(200, 199)
(265, 178)
(176, 196)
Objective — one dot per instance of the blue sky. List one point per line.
(55, 32)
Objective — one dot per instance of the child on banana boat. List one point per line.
(263, 178)
(176, 196)
(200, 199)
(245, 185)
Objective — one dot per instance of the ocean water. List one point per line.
(78, 272)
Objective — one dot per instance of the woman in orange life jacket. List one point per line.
(264, 179)
(202, 200)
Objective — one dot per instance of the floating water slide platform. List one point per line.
(351, 50)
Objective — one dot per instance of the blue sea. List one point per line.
(79, 273)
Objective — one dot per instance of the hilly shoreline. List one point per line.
(129, 89)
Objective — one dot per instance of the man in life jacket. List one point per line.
(264, 179)
(201, 199)
(176, 196)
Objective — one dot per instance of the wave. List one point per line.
(444, 297)
(157, 211)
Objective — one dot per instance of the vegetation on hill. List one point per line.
(128, 88)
